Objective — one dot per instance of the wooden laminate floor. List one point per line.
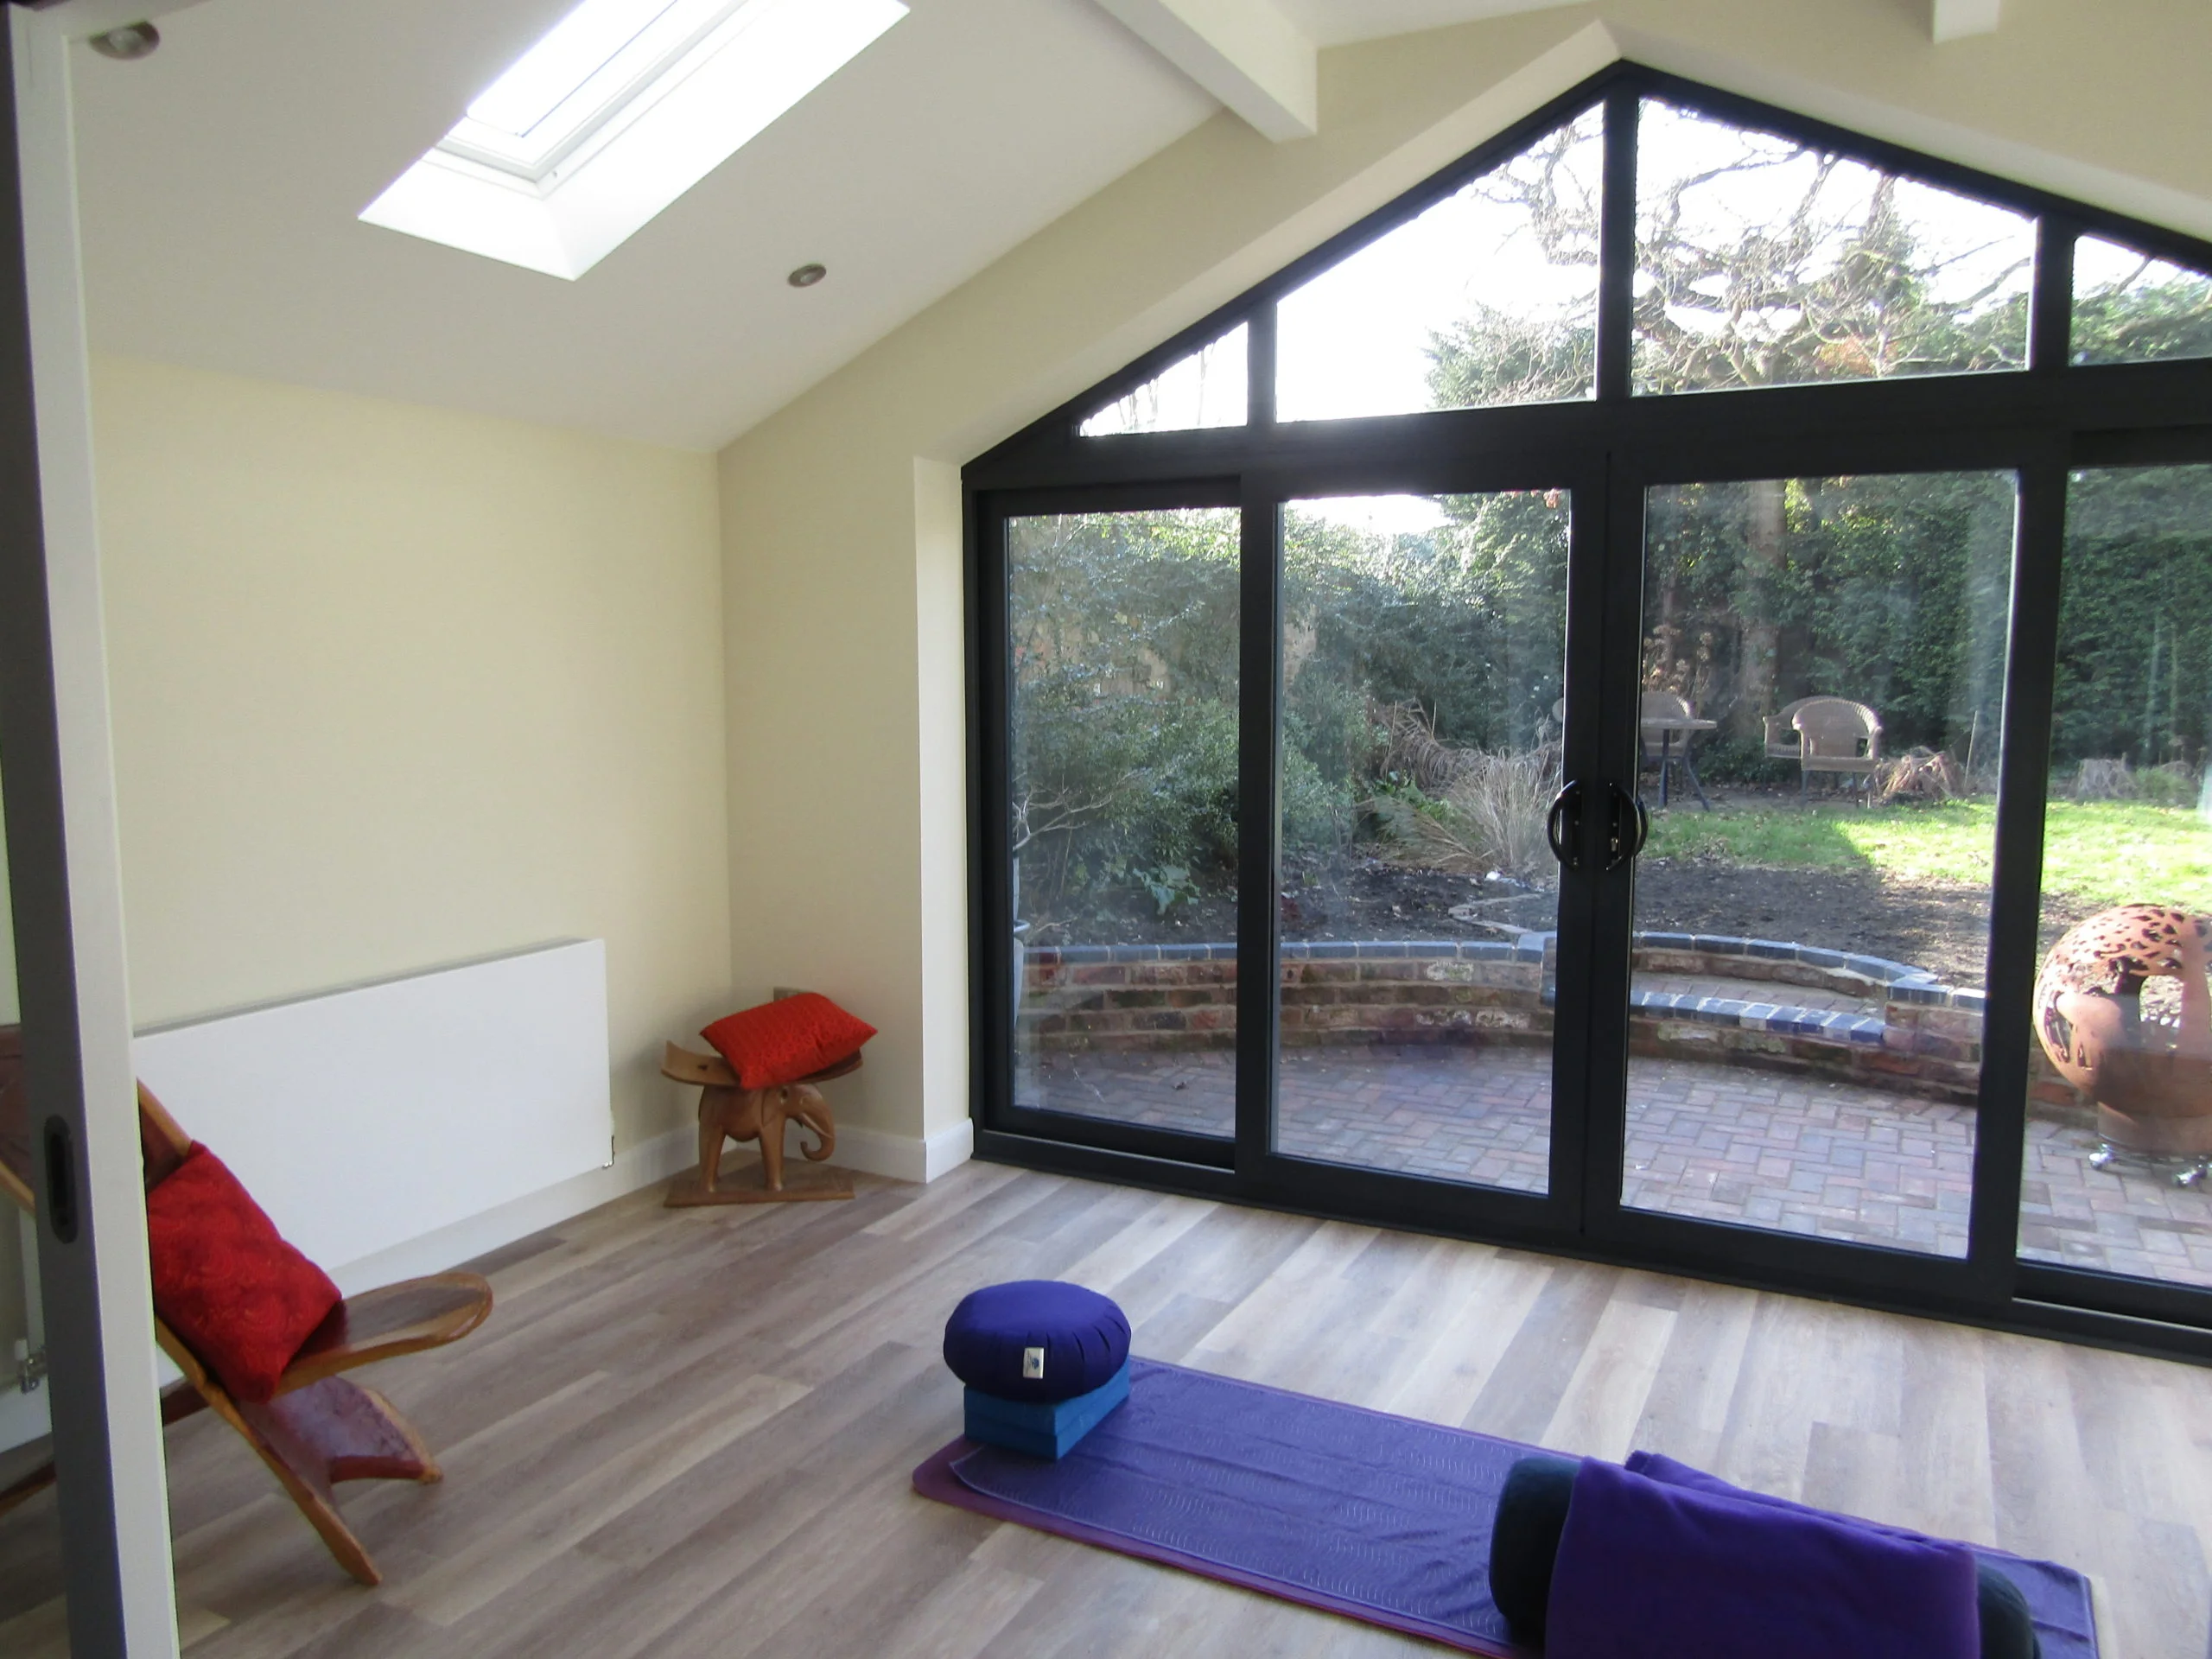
(689, 1434)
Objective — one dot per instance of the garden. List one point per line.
(1420, 737)
(1422, 647)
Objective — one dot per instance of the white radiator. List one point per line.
(381, 1121)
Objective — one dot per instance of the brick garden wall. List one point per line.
(1911, 1034)
(1156, 997)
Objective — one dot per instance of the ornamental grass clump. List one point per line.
(2174, 783)
(1489, 816)
(1919, 774)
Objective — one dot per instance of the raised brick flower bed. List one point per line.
(1156, 997)
(1909, 1031)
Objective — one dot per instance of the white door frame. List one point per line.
(66, 875)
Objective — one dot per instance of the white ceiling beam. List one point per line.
(1953, 20)
(1245, 52)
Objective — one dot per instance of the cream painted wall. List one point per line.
(841, 512)
(395, 687)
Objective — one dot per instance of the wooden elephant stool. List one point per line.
(729, 1111)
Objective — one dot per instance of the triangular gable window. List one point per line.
(1764, 261)
(1759, 251)
(1207, 388)
(2132, 308)
(1488, 298)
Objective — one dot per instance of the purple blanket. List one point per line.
(1644, 1564)
(1377, 1517)
(2058, 1596)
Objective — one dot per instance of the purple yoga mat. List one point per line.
(1379, 1518)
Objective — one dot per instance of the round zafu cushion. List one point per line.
(1036, 1339)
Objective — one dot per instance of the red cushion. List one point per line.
(224, 1280)
(782, 1041)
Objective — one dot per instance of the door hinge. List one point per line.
(30, 1367)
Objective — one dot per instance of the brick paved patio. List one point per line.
(1722, 1143)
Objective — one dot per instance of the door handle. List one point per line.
(1563, 826)
(1628, 829)
(60, 1181)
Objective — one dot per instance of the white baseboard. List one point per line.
(906, 1157)
(640, 1166)
(900, 1157)
(948, 1149)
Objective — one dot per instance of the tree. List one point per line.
(1762, 262)
(1123, 643)
(2147, 311)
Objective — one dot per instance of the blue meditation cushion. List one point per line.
(1036, 1341)
(1042, 1429)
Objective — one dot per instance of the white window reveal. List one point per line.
(620, 109)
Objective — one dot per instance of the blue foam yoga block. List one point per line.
(1043, 1428)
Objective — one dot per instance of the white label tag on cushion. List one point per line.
(1033, 1362)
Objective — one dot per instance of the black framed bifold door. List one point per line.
(1190, 725)
(1805, 964)
(1648, 700)
(2115, 1208)
(1369, 1031)
(1418, 1048)
(1117, 663)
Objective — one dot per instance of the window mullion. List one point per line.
(1258, 874)
(2051, 316)
(1617, 246)
(2008, 1034)
(1260, 366)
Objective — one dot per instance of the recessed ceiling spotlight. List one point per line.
(127, 44)
(807, 276)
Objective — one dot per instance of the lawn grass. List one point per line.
(2103, 852)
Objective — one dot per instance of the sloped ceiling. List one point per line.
(221, 180)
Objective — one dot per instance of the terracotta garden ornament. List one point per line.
(2149, 1069)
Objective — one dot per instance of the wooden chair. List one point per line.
(321, 1428)
(1834, 734)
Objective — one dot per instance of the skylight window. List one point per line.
(620, 109)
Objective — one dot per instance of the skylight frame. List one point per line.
(692, 84)
(646, 68)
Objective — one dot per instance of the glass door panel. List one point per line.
(2118, 1176)
(1123, 636)
(34, 1618)
(1422, 698)
(1822, 683)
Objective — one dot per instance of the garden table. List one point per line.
(1666, 728)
